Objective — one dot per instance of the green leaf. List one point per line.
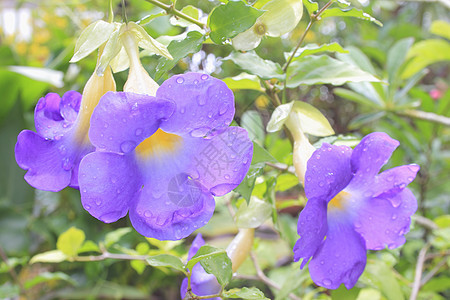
(251, 293)
(145, 41)
(253, 64)
(261, 155)
(380, 276)
(47, 277)
(114, 236)
(425, 53)
(311, 6)
(352, 12)
(395, 58)
(166, 260)
(227, 21)
(243, 81)
(179, 49)
(364, 119)
(54, 256)
(8, 291)
(286, 181)
(279, 117)
(215, 261)
(355, 97)
(70, 241)
(324, 70)
(441, 27)
(50, 76)
(313, 49)
(252, 122)
(111, 50)
(89, 246)
(254, 214)
(91, 38)
(189, 10)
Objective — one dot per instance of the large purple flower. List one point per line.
(352, 209)
(202, 283)
(163, 158)
(52, 154)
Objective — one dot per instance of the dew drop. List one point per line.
(124, 120)
(127, 146)
(318, 156)
(195, 81)
(98, 202)
(308, 178)
(394, 217)
(138, 131)
(182, 110)
(87, 207)
(227, 177)
(106, 125)
(390, 178)
(410, 178)
(201, 100)
(134, 107)
(322, 262)
(204, 77)
(233, 156)
(223, 109)
(180, 80)
(65, 125)
(327, 282)
(113, 179)
(245, 161)
(118, 191)
(84, 190)
(62, 149)
(67, 164)
(358, 225)
(210, 114)
(321, 184)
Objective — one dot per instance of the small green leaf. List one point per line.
(227, 21)
(352, 12)
(70, 241)
(311, 6)
(114, 236)
(89, 246)
(243, 81)
(251, 293)
(166, 260)
(91, 38)
(252, 122)
(253, 64)
(254, 214)
(261, 155)
(395, 58)
(441, 27)
(145, 41)
(189, 10)
(179, 49)
(355, 97)
(324, 70)
(215, 261)
(313, 49)
(46, 277)
(54, 256)
(286, 181)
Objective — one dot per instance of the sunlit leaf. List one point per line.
(441, 27)
(352, 12)
(146, 42)
(215, 261)
(243, 81)
(40, 74)
(226, 21)
(188, 10)
(252, 122)
(114, 236)
(253, 64)
(251, 293)
(314, 49)
(311, 6)
(254, 214)
(54, 256)
(91, 38)
(166, 260)
(70, 241)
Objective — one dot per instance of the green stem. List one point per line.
(312, 20)
(170, 9)
(124, 12)
(426, 116)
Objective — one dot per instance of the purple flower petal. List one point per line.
(171, 205)
(312, 227)
(54, 117)
(123, 120)
(109, 183)
(328, 171)
(204, 104)
(220, 163)
(48, 167)
(370, 155)
(197, 243)
(341, 259)
(381, 224)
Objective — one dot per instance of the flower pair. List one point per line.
(161, 159)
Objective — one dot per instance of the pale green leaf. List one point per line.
(226, 21)
(281, 16)
(261, 155)
(111, 50)
(352, 12)
(286, 181)
(395, 58)
(243, 81)
(324, 70)
(214, 261)
(251, 293)
(89, 246)
(355, 97)
(314, 49)
(312, 121)
(70, 241)
(254, 214)
(441, 27)
(252, 122)
(253, 64)
(114, 236)
(166, 260)
(54, 256)
(91, 38)
(311, 6)
(279, 117)
(145, 41)
(50, 76)
(188, 10)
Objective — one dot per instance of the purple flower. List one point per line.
(352, 209)
(202, 283)
(52, 154)
(163, 158)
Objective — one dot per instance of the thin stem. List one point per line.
(426, 116)
(124, 12)
(170, 9)
(106, 255)
(419, 270)
(433, 272)
(262, 277)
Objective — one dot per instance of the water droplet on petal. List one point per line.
(67, 164)
(118, 191)
(358, 225)
(327, 282)
(98, 202)
(223, 109)
(201, 100)
(113, 179)
(227, 177)
(127, 146)
(204, 77)
(322, 262)
(390, 178)
(394, 217)
(134, 107)
(105, 125)
(138, 131)
(182, 110)
(180, 80)
(62, 149)
(321, 184)
(210, 114)
(318, 156)
(195, 81)
(87, 207)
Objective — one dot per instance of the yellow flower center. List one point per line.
(260, 29)
(338, 202)
(160, 142)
